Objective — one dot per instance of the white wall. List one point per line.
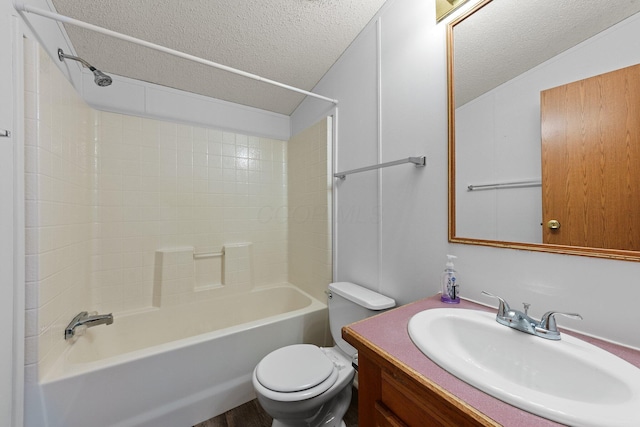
(144, 99)
(403, 253)
(391, 232)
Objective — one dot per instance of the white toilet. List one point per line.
(308, 386)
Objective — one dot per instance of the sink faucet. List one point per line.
(83, 319)
(545, 328)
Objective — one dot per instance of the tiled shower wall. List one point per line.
(105, 191)
(163, 185)
(310, 183)
(59, 207)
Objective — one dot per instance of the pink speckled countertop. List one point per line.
(388, 331)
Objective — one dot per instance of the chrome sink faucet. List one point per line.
(83, 319)
(545, 328)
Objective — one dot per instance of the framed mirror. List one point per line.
(544, 127)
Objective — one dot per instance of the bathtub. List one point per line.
(176, 366)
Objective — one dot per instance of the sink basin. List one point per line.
(569, 381)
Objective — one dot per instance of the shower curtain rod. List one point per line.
(20, 6)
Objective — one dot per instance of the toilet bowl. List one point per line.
(303, 385)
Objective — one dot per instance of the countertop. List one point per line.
(388, 332)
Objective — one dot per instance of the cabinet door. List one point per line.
(419, 407)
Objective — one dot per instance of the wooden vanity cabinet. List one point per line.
(393, 395)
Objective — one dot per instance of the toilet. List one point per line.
(305, 385)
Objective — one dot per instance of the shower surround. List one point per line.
(107, 193)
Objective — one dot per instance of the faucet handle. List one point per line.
(503, 307)
(548, 320)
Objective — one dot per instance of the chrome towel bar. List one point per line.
(417, 161)
(529, 183)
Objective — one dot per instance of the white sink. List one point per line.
(569, 381)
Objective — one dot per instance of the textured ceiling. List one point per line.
(291, 41)
(506, 38)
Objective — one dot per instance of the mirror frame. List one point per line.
(539, 247)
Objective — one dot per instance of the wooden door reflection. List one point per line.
(591, 161)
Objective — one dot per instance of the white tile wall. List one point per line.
(310, 184)
(58, 181)
(162, 185)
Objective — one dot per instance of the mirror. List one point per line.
(506, 60)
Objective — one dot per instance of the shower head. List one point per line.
(100, 78)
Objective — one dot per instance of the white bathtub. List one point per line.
(176, 366)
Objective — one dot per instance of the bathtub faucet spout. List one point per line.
(83, 319)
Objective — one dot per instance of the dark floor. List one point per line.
(251, 414)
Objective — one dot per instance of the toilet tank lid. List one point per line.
(362, 296)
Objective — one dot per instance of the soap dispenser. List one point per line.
(450, 292)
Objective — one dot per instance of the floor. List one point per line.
(251, 414)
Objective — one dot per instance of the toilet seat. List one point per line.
(296, 372)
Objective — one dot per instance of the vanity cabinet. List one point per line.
(392, 395)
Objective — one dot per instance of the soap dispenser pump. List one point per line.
(450, 292)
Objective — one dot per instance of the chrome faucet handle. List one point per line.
(503, 307)
(548, 320)
(83, 320)
(70, 330)
(526, 306)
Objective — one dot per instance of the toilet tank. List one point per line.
(349, 303)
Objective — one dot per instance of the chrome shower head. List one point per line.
(100, 78)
